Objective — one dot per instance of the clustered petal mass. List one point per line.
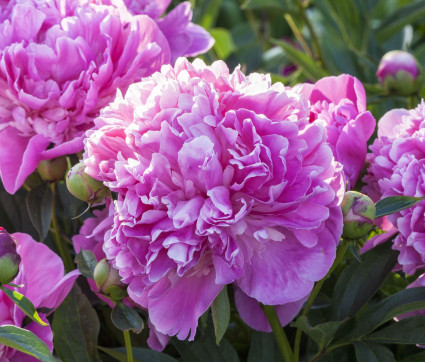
(61, 61)
(41, 272)
(339, 104)
(221, 179)
(397, 169)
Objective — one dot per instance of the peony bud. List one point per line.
(9, 258)
(85, 187)
(359, 213)
(108, 281)
(398, 72)
(52, 170)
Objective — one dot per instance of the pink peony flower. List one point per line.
(397, 168)
(61, 61)
(339, 104)
(42, 273)
(220, 179)
(90, 237)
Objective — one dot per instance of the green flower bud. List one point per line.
(9, 258)
(52, 170)
(108, 281)
(85, 187)
(359, 213)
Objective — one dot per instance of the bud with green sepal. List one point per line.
(359, 213)
(9, 258)
(85, 187)
(108, 281)
(399, 72)
(52, 170)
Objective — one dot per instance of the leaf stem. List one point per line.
(66, 257)
(339, 257)
(278, 332)
(127, 340)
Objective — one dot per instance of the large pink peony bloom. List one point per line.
(397, 168)
(61, 61)
(339, 103)
(220, 179)
(42, 273)
(90, 237)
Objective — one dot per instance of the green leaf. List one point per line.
(322, 333)
(209, 11)
(407, 331)
(24, 304)
(311, 69)
(86, 262)
(263, 347)
(139, 354)
(39, 205)
(26, 342)
(354, 248)
(405, 301)
(126, 318)
(393, 204)
(371, 352)
(417, 357)
(261, 4)
(360, 281)
(223, 45)
(220, 311)
(400, 18)
(76, 328)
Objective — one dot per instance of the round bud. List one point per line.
(9, 258)
(399, 72)
(359, 213)
(108, 281)
(52, 170)
(85, 187)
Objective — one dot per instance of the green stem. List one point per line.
(278, 332)
(339, 257)
(127, 340)
(66, 257)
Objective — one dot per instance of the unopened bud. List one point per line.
(52, 170)
(9, 258)
(85, 187)
(359, 213)
(399, 72)
(108, 281)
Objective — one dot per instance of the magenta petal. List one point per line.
(156, 340)
(176, 303)
(251, 313)
(390, 123)
(19, 157)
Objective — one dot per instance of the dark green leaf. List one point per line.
(25, 341)
(311, 69)
(354, 248)
(24, 304)
(139, 354)
(417, 357)
(371, 352)
(405, 301)
(126, 318)
(223, 45)
(39, 205)
(76, 328)
(220, 311)
(407, 331)
(360, 281)
(322, 333)
(261, 4)
(401, 17)
(263, 347)
(86, 262)
(392, 204)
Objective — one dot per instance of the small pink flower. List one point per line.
(42, 273)
(221, 179)
(339, 104)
